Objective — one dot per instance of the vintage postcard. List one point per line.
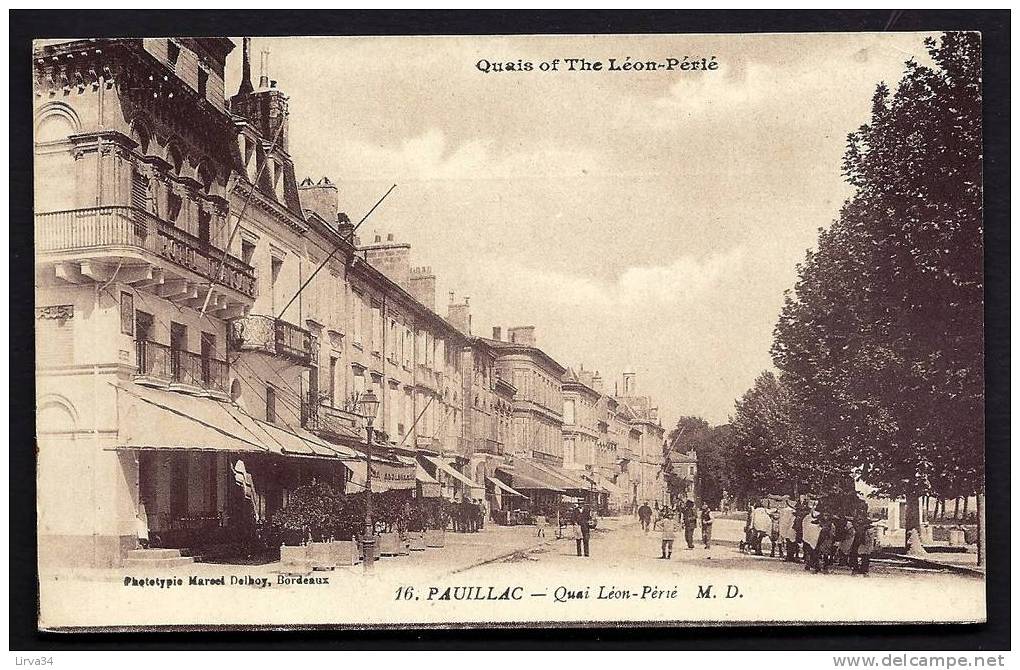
(584, 330)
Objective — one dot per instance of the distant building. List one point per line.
(537, 426)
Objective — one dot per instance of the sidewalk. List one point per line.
(462, 551)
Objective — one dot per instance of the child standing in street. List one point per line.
(669, 528)
(541, 522)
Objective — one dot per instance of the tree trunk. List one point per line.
(966, 502)
(956, 509)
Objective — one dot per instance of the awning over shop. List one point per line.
(451, 471)
(506, 489)
(609, 487)
(525, 476)
(563, 479)
(155, 419)
(150, 419)
(430, 488)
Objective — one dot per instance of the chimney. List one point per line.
(391, 258)
(423, 286)
(322, 198)
(245, 87)
(524, 335)
(460, 316)
(497, 333)
(264, 69)
(596, 382)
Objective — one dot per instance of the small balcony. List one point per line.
(97, 244)
(159, 365)
(332, 422)
(275, 337)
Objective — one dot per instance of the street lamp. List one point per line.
(369, 407)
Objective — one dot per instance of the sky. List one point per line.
(649, 220)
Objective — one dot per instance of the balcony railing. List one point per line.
(273, 336)
(160, 362)
(121, 226)
(333, 421)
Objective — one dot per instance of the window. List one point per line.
(204, 231)
(568, 412)
(143, 325)
(203, 81)
(247, 251)
(270, 404)
(173, 52)
(274, 275)
(208, 353)
(178, 345)
(127, 313)
(356, 316)
(332, 380)
(173, 207)
(139, 190)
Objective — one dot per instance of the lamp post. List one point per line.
(369, 406)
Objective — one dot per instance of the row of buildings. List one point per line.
(202, 316)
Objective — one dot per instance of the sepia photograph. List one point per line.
(491, 331)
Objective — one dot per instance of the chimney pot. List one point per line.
(451, 297)
(467, 300)
(389, 237)
(378, 238)
(497, 333)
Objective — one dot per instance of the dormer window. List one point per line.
(203, 82)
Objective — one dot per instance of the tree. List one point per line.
(713, 474)
(881, 343)
(771, 453)
(691, 433)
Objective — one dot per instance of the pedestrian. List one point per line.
(669, 527)
(811, 531)
(645, 516)
(706, 526)
(761, 525)
(774, 535)
(541, 522)
(823, 552)
(690, 515)
(801, 512)
(866, 546)
(586, 523)
(748, 541)
(847, 543)
(575, 529)
(787, 535)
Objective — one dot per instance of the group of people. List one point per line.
(670, 521)
(467, 516)
(821, 539)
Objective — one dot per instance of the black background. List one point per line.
(993, 24)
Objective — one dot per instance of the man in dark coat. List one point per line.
(645, 516)
(584, 520)
(690, 523)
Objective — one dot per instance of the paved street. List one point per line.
(539, 579)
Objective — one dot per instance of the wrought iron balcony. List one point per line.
(158, 363)
(116, 232)
(273, 336)
(333, 422)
